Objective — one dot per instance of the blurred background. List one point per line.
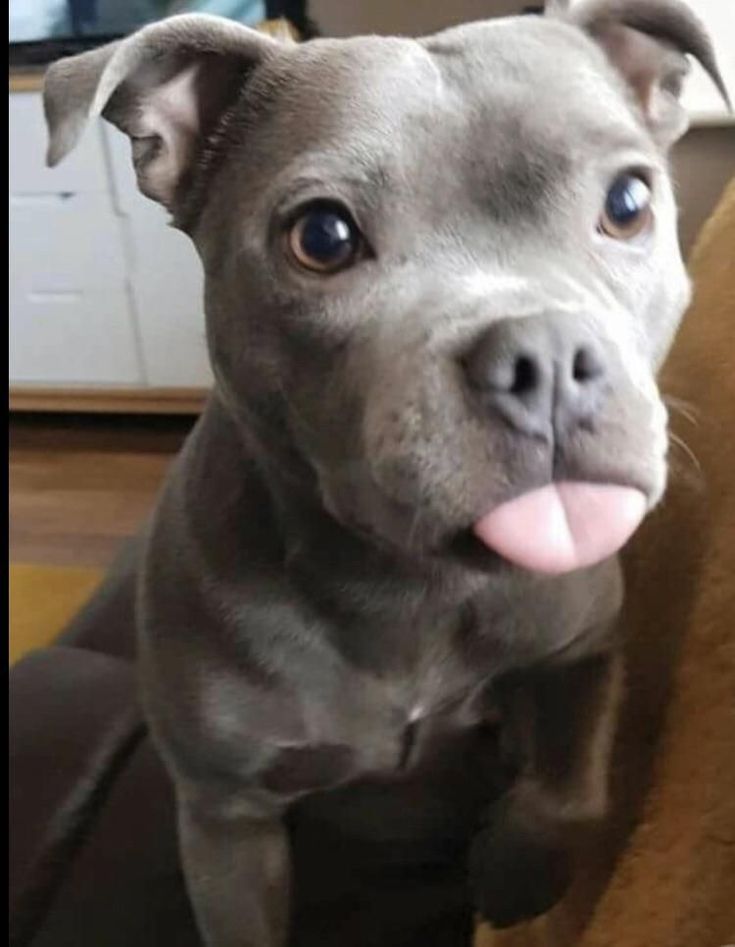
(108, 366)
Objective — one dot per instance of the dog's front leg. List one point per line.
(558, 728)
(236, 861)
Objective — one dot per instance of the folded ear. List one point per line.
(648, 42)
(165, 86)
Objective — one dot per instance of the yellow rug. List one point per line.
(42, 600)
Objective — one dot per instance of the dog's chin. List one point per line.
(452, 549)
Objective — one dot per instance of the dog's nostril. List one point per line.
(586, 365)
(525, 375)
(540, 374)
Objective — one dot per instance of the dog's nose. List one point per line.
(543, 374)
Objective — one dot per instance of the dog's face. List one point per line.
(442, 272)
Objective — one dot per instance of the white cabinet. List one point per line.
(103, 294)
(70, 320)
(83, 170)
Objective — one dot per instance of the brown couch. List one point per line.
(93, 858)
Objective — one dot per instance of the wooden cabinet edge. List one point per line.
(107, 400)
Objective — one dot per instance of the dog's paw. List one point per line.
(517, 870)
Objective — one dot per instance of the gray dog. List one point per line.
(380, 586)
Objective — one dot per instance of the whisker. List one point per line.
(685, 474)
(685, 466)
(682, 445)
(683, 408)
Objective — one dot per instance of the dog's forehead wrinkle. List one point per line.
(378, 89)
(356, 81)
(523, 59)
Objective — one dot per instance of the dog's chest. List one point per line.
(397, 687)
(402, 681)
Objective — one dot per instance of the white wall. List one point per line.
(700, 97)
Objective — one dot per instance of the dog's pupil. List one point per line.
(626, 199)
(326, 236)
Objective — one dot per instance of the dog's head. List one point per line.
(440, 274)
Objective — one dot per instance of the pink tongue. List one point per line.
(563, 526)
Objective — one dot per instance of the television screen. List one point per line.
(41, 30)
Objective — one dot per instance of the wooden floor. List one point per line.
(80, 485)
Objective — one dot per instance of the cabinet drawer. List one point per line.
(83, 171)
(73, 339)
(70, 317)
(64, 243)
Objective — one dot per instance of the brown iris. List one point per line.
(627, 210)
(324, 239)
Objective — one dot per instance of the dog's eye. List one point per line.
(324, 239)
(627, 209)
